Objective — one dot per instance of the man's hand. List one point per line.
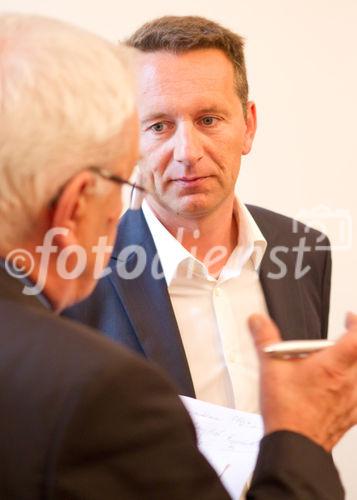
(315, 396)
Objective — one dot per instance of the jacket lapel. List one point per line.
(149, 308)
(283, 295)
(146, 300)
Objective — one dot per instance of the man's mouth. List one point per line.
(191, 181)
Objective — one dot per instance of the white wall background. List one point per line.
(302, 70)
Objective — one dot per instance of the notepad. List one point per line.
(229, 439)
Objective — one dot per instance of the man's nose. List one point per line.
(187, 146)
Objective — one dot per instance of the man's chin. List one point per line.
(189, 206)
(193, 209)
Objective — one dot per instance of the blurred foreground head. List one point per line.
(67, 104)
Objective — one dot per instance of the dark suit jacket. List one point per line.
(84, 419)
(138, 312)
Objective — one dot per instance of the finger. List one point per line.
(351, 321)
(263, 330)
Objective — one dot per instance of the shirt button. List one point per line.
(218, 292)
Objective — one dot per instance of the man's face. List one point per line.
(192, 130)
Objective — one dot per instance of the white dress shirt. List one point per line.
(212, 313)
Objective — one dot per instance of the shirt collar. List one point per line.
(171, 252)
(251, 244)
(250, 236)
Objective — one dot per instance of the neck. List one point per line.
(46, 282)
(210, 238)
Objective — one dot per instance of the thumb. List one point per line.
(351, 321)
(263, 330)
(344, 352)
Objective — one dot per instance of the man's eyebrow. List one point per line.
(153, 117)
(213, 109)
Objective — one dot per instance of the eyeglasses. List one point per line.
(107, 175)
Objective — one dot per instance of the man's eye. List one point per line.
(158, 127)
(208, 120)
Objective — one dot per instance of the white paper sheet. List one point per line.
(229, 439)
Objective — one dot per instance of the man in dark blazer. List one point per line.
(185, 54)
(81, 417)
(84, 418)
(138, 313)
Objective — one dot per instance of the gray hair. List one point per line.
(65, 95)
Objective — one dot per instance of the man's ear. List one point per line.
(71, 207)
(251, 127)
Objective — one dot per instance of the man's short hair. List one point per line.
(179, 34)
